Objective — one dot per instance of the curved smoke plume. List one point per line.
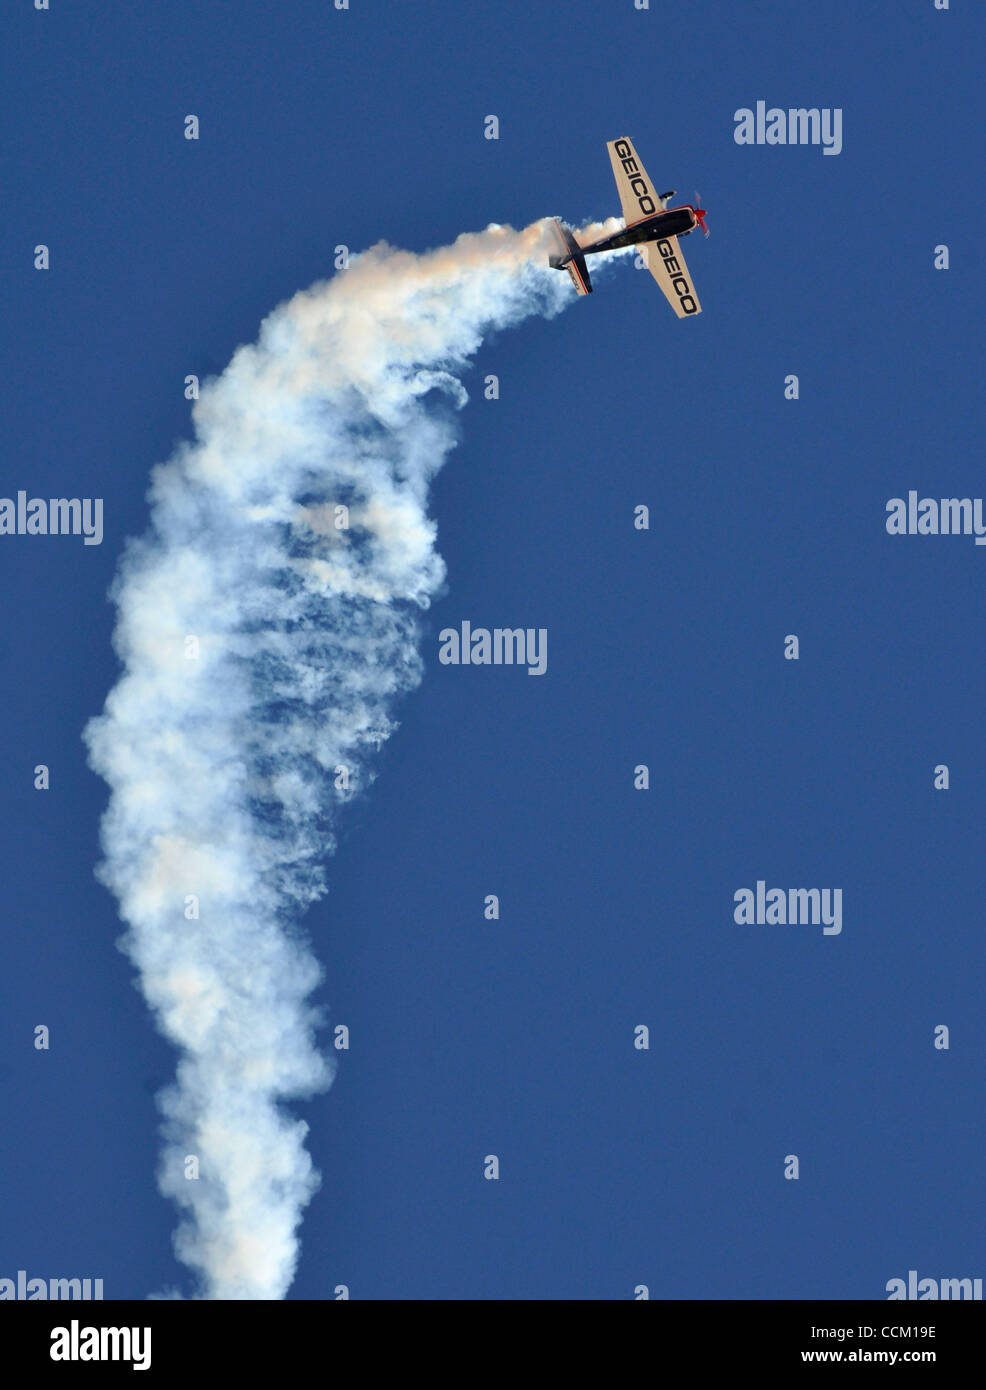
(225, 766)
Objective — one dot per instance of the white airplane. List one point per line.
(650, 223)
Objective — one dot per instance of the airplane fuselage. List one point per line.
(673, 222)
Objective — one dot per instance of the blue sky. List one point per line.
(618, 1167)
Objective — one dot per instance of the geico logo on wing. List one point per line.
(677, 279)
(638, 183)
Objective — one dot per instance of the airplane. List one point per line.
(649, 223)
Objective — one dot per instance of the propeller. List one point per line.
(700, 214)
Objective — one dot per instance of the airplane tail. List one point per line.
(571, 259)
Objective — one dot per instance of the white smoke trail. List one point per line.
(224, 768)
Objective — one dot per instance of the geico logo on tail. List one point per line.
(679, 284)
(638, 184)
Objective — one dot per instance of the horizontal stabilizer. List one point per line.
(571, 259)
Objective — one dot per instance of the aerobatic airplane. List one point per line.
(650, 223)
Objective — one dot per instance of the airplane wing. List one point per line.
(637, 194)
(667, 265)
